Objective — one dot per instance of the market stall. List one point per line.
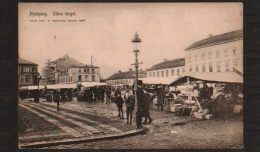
(196, 80)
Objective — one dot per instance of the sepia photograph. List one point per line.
(130, 75)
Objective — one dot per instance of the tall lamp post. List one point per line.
(136, 42)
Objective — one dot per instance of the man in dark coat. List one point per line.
(160, 96)
(130, 105)
(119, 103)
(140, 104)
(146, 114)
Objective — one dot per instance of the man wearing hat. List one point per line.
(140, 104)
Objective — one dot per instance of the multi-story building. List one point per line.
(69, 70)
(27, 72)
(167, 69)
(220, 53)
(124, 78)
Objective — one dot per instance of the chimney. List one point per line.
(130, 69)
(119, 71)
(165, 60)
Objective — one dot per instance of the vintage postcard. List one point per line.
(130, 75)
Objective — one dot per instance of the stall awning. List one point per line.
(62, 86)
(166, 81)
(227, 77)
(32, 87)
(92, 84)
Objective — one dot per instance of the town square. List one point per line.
(131, 76)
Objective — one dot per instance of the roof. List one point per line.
(24, 61)
(66, 62)
(125, 75)
(169, 64)
(218, 39)
(221, 77)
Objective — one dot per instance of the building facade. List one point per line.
(27, 72)
(124, 78)
(220, 53)
(69, 70)
(167, 69)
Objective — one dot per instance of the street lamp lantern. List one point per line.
(136, 42)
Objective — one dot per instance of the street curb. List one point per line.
(82, 140)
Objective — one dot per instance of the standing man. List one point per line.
(119, 102)
(160, 96)
(140, 104)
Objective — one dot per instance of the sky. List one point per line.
(166, 30)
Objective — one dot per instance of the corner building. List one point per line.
(220, 53)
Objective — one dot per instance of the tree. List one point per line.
(48, 72)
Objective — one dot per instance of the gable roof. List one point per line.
(218, 39)
(125, 75)
(66, 62)
(24, 61)
(169, 64)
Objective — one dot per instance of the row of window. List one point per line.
(166, 73)
(69, 78)
(202, 67)
(86, 70)
(211, 55)
(27, 69)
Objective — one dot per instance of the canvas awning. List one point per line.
(92, 84)
(166, 81)
(62, 86)
(227, 77)
(32, 87)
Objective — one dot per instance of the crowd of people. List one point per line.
(125, 95)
